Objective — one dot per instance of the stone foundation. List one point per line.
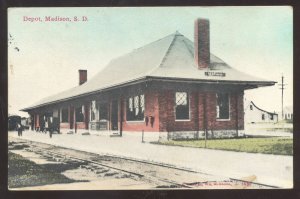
(180, 135)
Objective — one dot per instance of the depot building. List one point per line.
(171, 85)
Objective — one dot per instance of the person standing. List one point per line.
(50, 125)
(46, 126)
(19, 128)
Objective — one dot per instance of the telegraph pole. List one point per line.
(282, 88)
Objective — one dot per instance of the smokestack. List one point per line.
(201, 42)
(82, 76)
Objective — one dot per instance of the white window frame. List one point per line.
(189, 100)
(126, 105)
(229, 104)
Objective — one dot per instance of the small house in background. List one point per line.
(13, 120)
(173, 86)
(254, 114)
(288, 113)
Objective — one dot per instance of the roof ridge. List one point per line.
(262, 109)
(164, 57)
(188, 47)
(174, 34)
(168, 50)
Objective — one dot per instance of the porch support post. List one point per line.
(204, 117)
(69, 116)
(121, 115)
(32, 121)
(86, 115)
(197, 114)
(237, 114)
(74, 118)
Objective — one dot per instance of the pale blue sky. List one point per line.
(255, 40)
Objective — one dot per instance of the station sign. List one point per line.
(212, 73)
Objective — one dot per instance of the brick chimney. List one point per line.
(201, 42)
(82, 76)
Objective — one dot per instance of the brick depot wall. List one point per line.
(80, 125)
(213, 123)
(151, 109)
(64, 125)
(161, 105)
(167, 113)
(167, 120)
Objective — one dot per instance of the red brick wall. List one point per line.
(167, 113)
(213, 123)
(37, 120)
(80, 125)
(65, 125)
(161, 105)
(201, 45)
(151, 109)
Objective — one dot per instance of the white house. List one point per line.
(254, 114)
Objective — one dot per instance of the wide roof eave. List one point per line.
(252, 84)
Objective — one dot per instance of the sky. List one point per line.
(44, 57)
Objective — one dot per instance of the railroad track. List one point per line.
(171, 184)
(65, 156)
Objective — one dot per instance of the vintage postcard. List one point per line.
(123, 98)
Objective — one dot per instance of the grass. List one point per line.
(270, 145)
(23, 173)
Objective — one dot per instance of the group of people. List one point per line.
(44, 129)
(46, 124)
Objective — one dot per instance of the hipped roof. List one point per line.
(171, 57)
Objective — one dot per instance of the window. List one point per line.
(251, 107)
(80, 114)
(263, 116)
(135, 108)
(103, 111)
(271, 117)
(64, 115)
(222, 106)
(182, 106)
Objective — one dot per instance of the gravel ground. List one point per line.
(276, 170)
(86, 176)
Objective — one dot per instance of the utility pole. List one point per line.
(282, 88)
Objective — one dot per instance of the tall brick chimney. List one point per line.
(82, 76)
(201, 42)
